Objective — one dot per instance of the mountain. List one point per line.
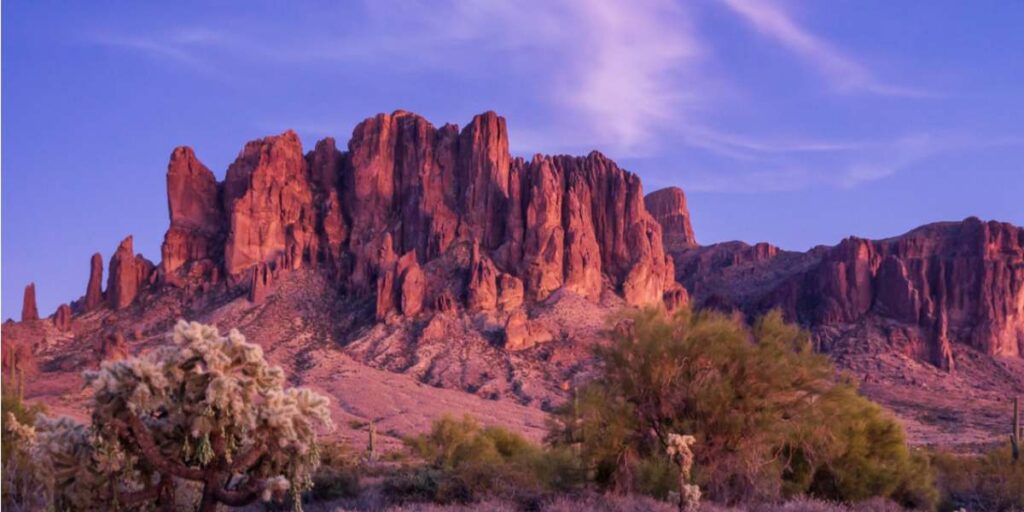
(436, 255)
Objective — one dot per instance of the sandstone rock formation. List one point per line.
(668, 206)
(522, 334)
(920, 292)
(62, 317)
(269, 205)
(406, 187)
(129, 273)
(260, 283)
(112, 347)
(93, 291)
(29, 312)
(197, 225)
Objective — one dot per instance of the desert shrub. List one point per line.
(20, 492)
(988, 482)
(771, 418)
(465, 461)
(207, 412)
(338, 474)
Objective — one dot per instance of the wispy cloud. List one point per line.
(843, 71)
(632, 79)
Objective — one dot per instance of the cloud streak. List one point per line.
(845, 73)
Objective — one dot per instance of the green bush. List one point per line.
(988, 482)
(338, 474)
(771, 418)
(465, 461)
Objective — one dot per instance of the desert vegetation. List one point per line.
(201, 422)
(686, 411)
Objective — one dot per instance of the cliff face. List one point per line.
(921, 292)
(668, 206)
(959, 281)
(405, 188)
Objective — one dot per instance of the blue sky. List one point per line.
(799, 123)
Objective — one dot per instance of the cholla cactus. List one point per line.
(208, 409)
(678, 450)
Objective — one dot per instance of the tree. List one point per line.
(207, 413)
(770, 416)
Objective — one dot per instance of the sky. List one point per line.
(797, 123)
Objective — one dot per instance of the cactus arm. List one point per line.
(152, 453)
(247, 461)
(241, 497)
(141, 496)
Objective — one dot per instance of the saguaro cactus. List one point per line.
(679, 451)
(371, 446)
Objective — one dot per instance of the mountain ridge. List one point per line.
(435, 253)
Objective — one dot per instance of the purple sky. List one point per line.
(798, 123)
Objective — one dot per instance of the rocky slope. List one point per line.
(435, 254)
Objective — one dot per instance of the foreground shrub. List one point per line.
(770, 416)
(338, 474)
(19, 490)
(989, 482)
(206, 413)
(465, 461)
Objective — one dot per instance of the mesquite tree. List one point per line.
(207, 412)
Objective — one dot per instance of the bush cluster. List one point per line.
(770, 416)
(465, 461)
(992, 481)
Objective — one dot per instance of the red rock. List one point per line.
(484, 177)
(482, 289)
(385, 294)
(269, 204)
(326, 165)
(197, 218)
(676, 297)
(29, 312)
(413, 284)
(522, 334)
(954, 282)
(129, 273)
(93, 292)
(444, 302)
(112, 347)
(510, 292)
(544, 240)
(62, 317)
(668, 206)
(259, 283)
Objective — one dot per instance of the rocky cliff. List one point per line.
(405, 193)
(433, 252)
(923, 292)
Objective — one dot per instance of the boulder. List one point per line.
(521, 333)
